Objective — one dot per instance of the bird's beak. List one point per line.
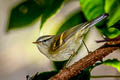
(36, 42)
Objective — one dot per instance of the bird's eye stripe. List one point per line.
(44, 38)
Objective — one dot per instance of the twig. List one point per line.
(87, 61)
(106, 76)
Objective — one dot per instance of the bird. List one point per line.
(60, 47)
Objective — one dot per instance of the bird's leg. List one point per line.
(86, 46)
(70, 58)
(74, 53)
(88, 49)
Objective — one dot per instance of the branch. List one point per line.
(87, 61)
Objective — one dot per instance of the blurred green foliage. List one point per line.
(24, 14)
(113, 8)
(29, 11)
(73, 20)
(114, 63)
(92, 8)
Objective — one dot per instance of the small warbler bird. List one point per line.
(60, 47)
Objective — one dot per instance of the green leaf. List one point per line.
(49, 11)
(43, 75)
(92, 8)
(73, 20)
(24, 14)
(112, 31)
(29, 11)
(113, 8)
(114, 63)
(117, 25)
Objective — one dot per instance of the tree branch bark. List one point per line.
(87, 61)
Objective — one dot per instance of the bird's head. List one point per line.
(43, 43)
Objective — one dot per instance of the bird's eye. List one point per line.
(44, 40)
